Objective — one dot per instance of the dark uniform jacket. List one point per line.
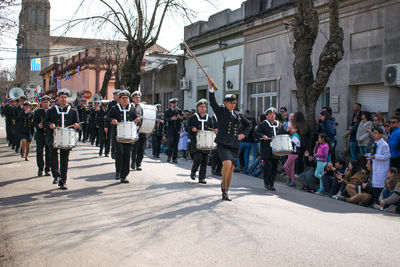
(228, 124)
(52, 117)
(41, 134)
(84, 114)
(159, 130)
(109, 107)
(173, 126)
(92, 118)
(263, 128)
(101, 118)
(25, 122)
(196, 123)
(117, 114)
(15, 111)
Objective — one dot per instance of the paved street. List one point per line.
(161, 218)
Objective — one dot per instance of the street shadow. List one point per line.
(91, 165)
(16, 181)
(97, 177)
(54, 193)
(80, 159)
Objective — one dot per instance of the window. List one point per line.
(43, 18)
(201, 92)
(167, 97)
(262, 95)
(156, 98)
(33, 17)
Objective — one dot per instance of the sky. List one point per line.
(170, 36)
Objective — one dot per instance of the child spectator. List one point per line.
(290, 162)
(380, 163)
(321, 152)
(389, 199)
(355, 175)
(183, 140)
(361, 194)
(329, 180)
(307, 177)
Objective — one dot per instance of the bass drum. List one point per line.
(149, 119)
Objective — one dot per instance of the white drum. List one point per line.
(205, 140)
(281, 145)
(65, 138)
(149, 119)
(127, 132)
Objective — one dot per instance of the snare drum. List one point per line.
(65, 138)
(149, 119)
(127, 132)
(205, 140)
(281, 145)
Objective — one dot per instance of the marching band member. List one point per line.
(17, 124)
(139, 146)
(110, 129)
(92, 127)
(157, 135)
(7, 113)
(25, 125)
(84, 114)
(228, 136)
(173, 117)
(265, 131)
(200, 121)
(101, 122)
(122, 112)
(42, 137)
(61, 115)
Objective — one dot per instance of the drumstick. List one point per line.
(58, 127)
(198, 63)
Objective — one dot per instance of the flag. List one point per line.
(37, 99)
(58, 84)
(6, 98)
(67, 77)
(35, 64)
(79, 73)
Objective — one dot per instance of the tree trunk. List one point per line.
(305, 33)
(107, 78)
(131, 70)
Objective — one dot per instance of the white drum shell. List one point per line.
(127, 132)
(205, 140)
(281, 145)
(149, 119)
(65, 138)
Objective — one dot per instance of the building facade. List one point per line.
(372, 38)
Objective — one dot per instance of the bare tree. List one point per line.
(140, 23)
(306, 26)
(7, 22)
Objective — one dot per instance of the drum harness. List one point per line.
(202, 121)
(62, 114)
(124, 110)
(273, 126)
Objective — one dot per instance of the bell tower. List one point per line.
(33, 42)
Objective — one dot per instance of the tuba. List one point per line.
(16, 92)
(73, 96)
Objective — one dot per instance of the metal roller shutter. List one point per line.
(373, 98)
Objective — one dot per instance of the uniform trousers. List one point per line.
(122, 158)
(216, 163)
(138, 151)
(156, 145)
(63, 169)
(46, 163)
(94, 135)
(85, 131)
(200, 159)
(173, 140)
(104, 141)
(270, 167)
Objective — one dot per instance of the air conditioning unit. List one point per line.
(392, 75)
(183, 84)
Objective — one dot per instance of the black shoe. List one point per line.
(112, 155)
(168, 159)
(55, 180)
(124, 181)
(117, 176)
(225, 197)
(272, 188)
(92, 143)
(133, 166)
(40, 173)
(202, 181)
(100, 154)
(138, 168)
(47, 174)
(192, 176)
(106, 155)
(63, 186)
(267, 187)
(175, 161)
